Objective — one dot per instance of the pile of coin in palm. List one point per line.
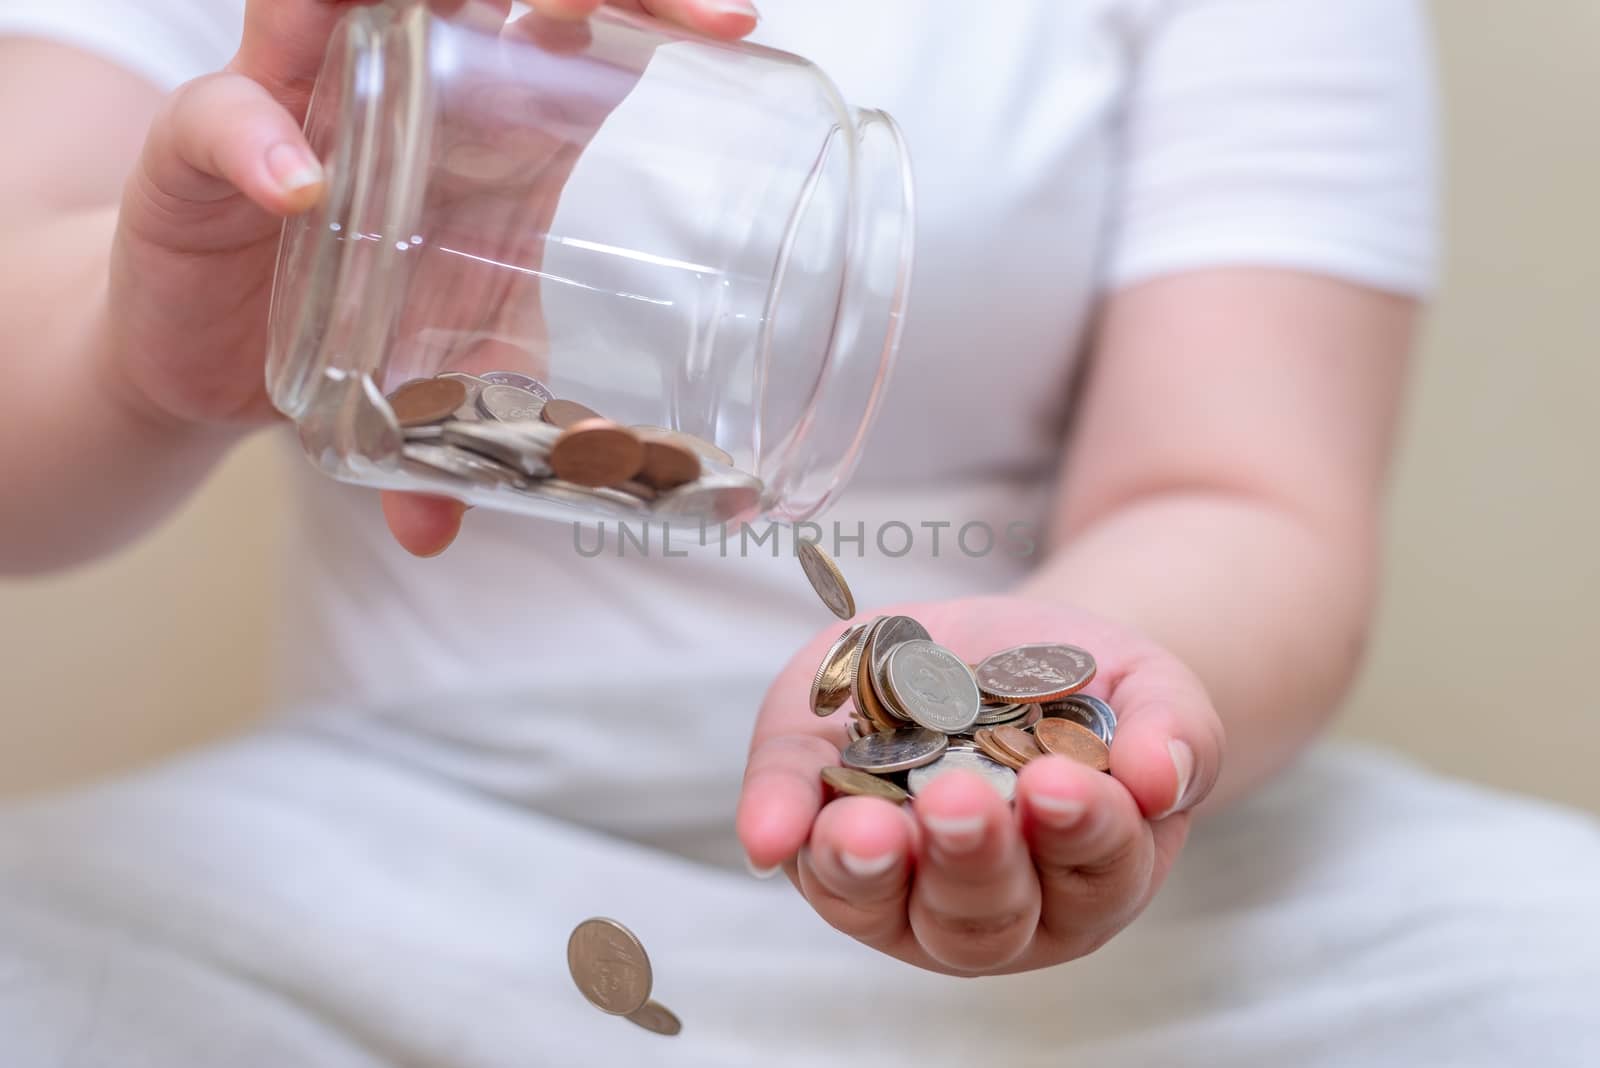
(612, 970)
(919, 711)
(505, 430)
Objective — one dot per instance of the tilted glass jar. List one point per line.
(699, 248)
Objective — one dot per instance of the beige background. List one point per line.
(1486, 653)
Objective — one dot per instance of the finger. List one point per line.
(782, 793)
(975, 900)
(856, 869)
(224, 134)
(728, 19)
(1093, 851)
(424, 525)
(1169, 741)
(283, 45)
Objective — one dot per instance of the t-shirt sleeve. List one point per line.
(166, 41)
(1279, 133)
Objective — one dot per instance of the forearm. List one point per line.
(1267, 608)
(83, 468)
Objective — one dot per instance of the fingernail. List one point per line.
(732, 7)
(1183, 764)
(867, 867)
(761, 873)
(293, 168)
(1058, 812)
(955, 835)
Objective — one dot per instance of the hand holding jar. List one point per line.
(186, 321)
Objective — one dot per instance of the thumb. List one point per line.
(223, 134)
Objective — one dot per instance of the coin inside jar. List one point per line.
(934, 686)
(1072, 740)
(668, 466)
(510, 404)
(610, 966)
(427, 400)
(596, 452)
(564, 413)
(857, 783)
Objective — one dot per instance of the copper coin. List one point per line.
(427, 400)
(1072, 740)
(1028, 673)
(667, 466)
(564, 413)
(688, 441)
(597, 452)
(890, 751)
(1017, 741)
(609, 965)
(654, 1016)
(985, 741)
(857, 783)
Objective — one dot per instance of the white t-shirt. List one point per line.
(1062, 149)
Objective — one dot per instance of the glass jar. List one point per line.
(605, 265)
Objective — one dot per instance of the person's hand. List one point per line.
(224, 163)
(959, 881)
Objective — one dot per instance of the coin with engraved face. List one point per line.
(609, 965)
(509, 404)
(1043, 672)
(1002, 778)
(933, 685)
(519, 381)
(889, 751)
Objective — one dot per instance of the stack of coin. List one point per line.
(918, 710)
(613, 971)
(505, 430)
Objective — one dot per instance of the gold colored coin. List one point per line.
(596, 452)
(654, 1016)
(858, 783)
(862, 693)
(427, 400)
(609, 965)
(1072, 740)
(830, 689)
(826, 578)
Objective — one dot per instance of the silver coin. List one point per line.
(888, 751)
(520, 381)
(1041, 672)
(853, 729)
(994, 715)
(894, 632)
(1089, 711)
(524, 446)
(510, 404)
(706, 450)
(719, 498)
(933, 685)
(458, 463)
(428, 432)
(1002, 778)
(589, 498)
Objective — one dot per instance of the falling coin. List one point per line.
(826, 578)
(597, 452)
(1074, 740)
(564, 413)
(899, 750)
(654, 1016)
(1042, 672)
(609, 965)
(427, 400)
(857, 783)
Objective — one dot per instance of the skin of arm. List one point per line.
(82, 470)
(1223, 490)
